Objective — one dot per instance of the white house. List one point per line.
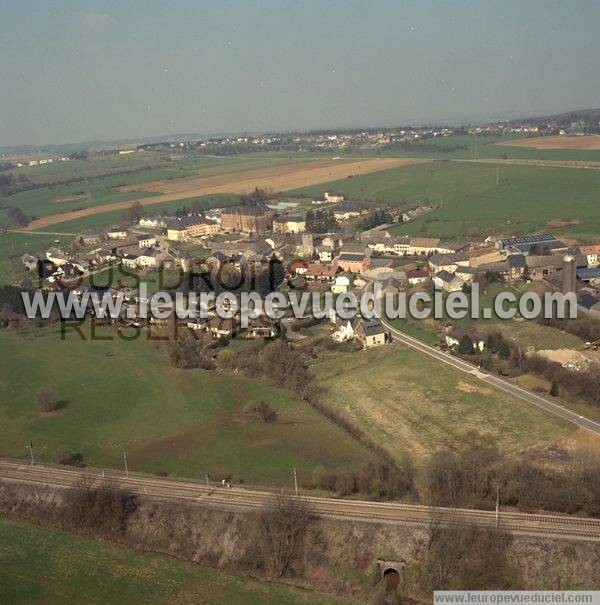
(146, 241)
(448, 281)
(340, 285)
(116, 233)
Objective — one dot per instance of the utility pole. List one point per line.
(125, 461)
(29, 446)
(295, 481)
(207, 481)
(497, 175)
(497, 506)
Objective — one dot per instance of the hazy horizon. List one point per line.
(83, 71)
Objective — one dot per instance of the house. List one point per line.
(333, 198)
(182, 229)
(455, 334)
(130, 260)
(116, 233)
(540, 267)
(146, 241)
(91, 237)
(418, 276)
(592, 255)
(413, 246)
(65, 271)
(353, 262)
(467, 274)
(517, 266)
(30, 262)
(441, 262)
(354, 258)
(369, 332)
(57, 256)
(325, 253)
(154, 222)
(347, 210)
(222, 327)
(297, 267)
(590, 275)
(104, 255)
(289, 223)
(262, 327)
(340, 285)
(81, 264)
(323, 272)
(197, 324)
(448, 281)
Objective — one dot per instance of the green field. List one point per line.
(410, 403)
(125, 396)
(46, 566)
(102, 178)
(473, 205)
(486, 147)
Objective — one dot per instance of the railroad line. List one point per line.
(250, 500)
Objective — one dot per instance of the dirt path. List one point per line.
(277, 178)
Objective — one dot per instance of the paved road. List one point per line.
(244, 500)
(496, 381)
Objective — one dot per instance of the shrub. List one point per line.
(46, 400)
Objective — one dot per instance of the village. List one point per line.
(330, 244)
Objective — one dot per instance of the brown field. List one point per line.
(589, 141)
(276, 178)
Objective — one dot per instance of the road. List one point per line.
(495, 381)
(244, 500)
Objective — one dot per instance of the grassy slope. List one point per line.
(42, 565)
(411, 403)
(473, 205)
(125, 396)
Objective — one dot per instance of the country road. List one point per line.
(490, 379)
(245, 500)
(495, 381)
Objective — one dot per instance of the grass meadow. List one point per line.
(471, 204)
(124, 396)
(40, 565)
(410, 403)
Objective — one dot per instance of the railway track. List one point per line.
(247, 500)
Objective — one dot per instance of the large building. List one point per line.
(190, 226)
(289, 223)
(251, 219)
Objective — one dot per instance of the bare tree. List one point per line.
(261, 410)
(282, 530)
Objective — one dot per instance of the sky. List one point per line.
(82, 70)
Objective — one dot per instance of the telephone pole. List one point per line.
(295, 481)
(29, 446)
(497, 175)
(497, 506)
(125, 461)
